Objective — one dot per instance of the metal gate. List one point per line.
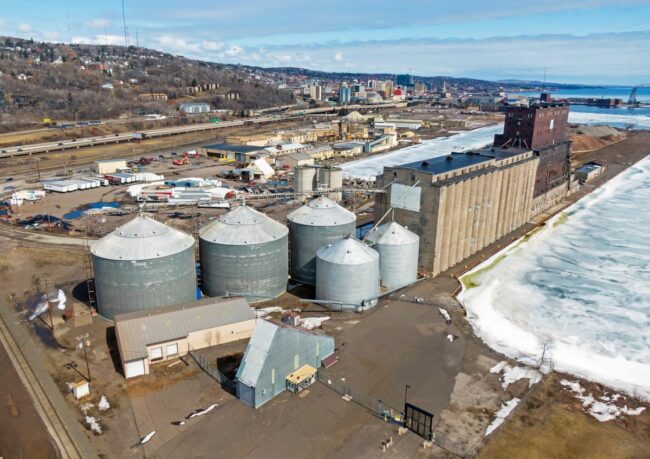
(419, 421)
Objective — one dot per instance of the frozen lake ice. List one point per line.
(581, 284)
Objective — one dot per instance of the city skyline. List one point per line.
(502, 40)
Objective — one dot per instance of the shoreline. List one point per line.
(495, 254)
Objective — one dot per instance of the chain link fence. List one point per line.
(212, 370)
(376, 407)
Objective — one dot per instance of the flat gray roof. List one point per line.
(448, 163)
(233, 147)
(137, 330)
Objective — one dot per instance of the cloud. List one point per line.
(99, 23)
(99, 40)
(24, 28)
(568, 58)
(338, 56)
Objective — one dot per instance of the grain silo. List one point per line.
(314, 225)
(398, 254)
(143, 264)
(246, 253)
(331, 177)
(347, 271)
(304, 181)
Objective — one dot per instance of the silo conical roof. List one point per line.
(142, 238)
(321, 211)
(347, 251)
(243, 226)
(392, 233)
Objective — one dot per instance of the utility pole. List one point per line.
(46, 283)
(406, 391)
(84, 343)
(126, 37)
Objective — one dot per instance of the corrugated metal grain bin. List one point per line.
(143, 264)
(314, 225)
(398, 254)
(347, 271)
(246, 253)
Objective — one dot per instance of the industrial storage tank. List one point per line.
(304, 181)
(246, 253)
(398, 254)
(143, 264)
(347, 271)
(331, 177)
(314, 225)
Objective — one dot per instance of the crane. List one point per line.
(632, 99)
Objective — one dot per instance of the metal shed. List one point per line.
(273, 353)
(145, 337)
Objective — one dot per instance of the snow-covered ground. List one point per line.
(580, 285)
(369, 168)
(636, 121)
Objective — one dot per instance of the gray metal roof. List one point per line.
(347, 251)
(142, 238)
(392, 233)
(243, 226)
(257, 352)
(277, 341)
(136, 330)
(322, 211)
(236, 148)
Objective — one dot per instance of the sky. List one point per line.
(582, 41)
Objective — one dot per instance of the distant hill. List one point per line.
(61, 81)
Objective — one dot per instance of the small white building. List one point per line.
(195, 107)
(109, 166)
(155, 335)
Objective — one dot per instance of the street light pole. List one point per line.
(406, 391)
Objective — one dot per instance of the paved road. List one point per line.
(23, 433)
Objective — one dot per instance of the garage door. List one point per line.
(156, 353)
(172, 349)
(134, 368)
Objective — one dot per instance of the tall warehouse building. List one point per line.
(143, 264)
(460, 203)
(541, 127)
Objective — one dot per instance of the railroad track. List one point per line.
(56, 427)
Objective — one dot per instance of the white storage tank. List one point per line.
(304, 181)
(347, 271)
(398, 250)
(314, 225)
(244, 252)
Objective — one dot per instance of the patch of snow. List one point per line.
(202, 412)
(147, 437)
(94, 425)
(445, 315)
(86, 407)
(312, 322)
(502, 414)
(263, 312)
(511, 374)
(103, 404)
(451, 338)
(604, 409)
